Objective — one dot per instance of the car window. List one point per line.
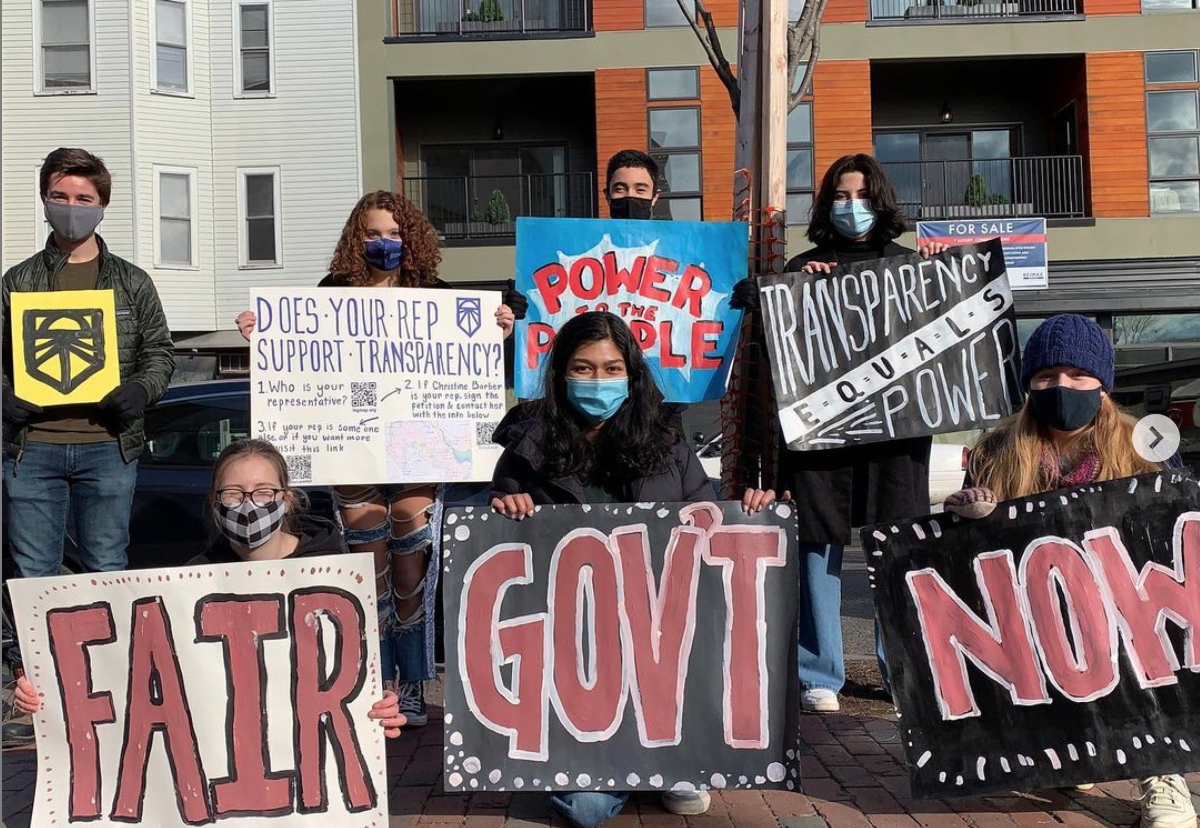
(195, 433)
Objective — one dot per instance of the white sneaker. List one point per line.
(819, 700)
(1166, 803)
(687, 803)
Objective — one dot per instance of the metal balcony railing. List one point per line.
(491, 18)
(487, 207)
(921, 11)
(1035, 186)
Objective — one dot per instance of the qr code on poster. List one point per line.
(363, 396)
(484, 432)
(299, 467)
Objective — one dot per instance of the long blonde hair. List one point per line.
(1008, 459)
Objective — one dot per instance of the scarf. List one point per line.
(1086, 470)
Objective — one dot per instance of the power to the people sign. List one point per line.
(1024, 243)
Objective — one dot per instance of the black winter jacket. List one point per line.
(317, 537)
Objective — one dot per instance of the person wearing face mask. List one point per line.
(81, 458)
(1068, 433)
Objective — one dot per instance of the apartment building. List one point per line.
(230, 128)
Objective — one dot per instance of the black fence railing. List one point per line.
(1035, 186)
(926, 10)
(487, 206)
(491, 18)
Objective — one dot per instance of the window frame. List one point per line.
(239, 81)
(695, 70)
(809, 145)
(188, 45)
(1195, 54)
(658, 153)
(39, 56)
(1151, 179)
(194, 219)
(243, 174)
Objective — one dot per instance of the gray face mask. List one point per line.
(73, 222)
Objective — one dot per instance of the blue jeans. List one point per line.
(89, 479)
(588, 809)
(821, 661)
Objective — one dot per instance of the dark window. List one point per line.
(672, 84)
(661, 13)
(1173, 145)
(260, 219)
(800, 180)
(256, 47)
(66, 44)
(1170, 67)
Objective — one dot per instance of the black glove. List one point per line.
(745, 295)
(16, 411)
(516, 302)
(126, 402)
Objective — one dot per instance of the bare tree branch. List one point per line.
(804, 46)
(711, 41)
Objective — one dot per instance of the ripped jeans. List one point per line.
(406, 645)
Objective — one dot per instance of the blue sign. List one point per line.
(669, 280)
(1024, 243)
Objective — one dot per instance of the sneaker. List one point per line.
(687, 803)
(1166, 803)
(412, 703)
(819, 700)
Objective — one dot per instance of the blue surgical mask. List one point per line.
(597, 400)
(384, 254)
(853, 218)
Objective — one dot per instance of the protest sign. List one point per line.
(378, 385)
(670, 281)
(64, 346)
(892, 348)
(1054, 643)
(1024, 243)
(231, 692)
(645, 646)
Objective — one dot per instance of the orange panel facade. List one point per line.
(1116, 134)
(618, 15)
(1098, 7)
(845, 11)
(841, 110)
(620, 118)
(718, 136)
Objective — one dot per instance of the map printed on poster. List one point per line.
(378, 385)
(670, 281)
(222, 693)
(1024, 240)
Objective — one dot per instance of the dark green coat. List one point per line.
(143, 338)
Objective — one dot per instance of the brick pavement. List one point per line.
(852, 770)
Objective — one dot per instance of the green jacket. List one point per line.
(143, 339)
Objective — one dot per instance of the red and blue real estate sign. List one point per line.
(1024, 243)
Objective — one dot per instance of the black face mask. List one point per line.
(1065, 409)
(630, 207)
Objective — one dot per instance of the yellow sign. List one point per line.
(64, 346)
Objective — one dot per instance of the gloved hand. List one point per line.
(126, 402)
(16, 411)
(516, 302)
(973, 504)
(745, 295)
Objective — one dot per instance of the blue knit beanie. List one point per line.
(1068, 339)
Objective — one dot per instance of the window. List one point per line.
(1167, 327)
(175, 208)
(255, 69)
(1170, 67)
(194, 434)
(675, 145)
(65, 45)
(1169, 5)
(1173, 123)
(172, 58)
(800, 181)
(673, 84)
(661, 13)
(258, 211)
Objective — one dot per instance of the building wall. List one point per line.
(1117, 134)
(718, 128)
(620, 119)
(841, 111)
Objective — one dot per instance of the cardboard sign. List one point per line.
(378, 385)
(230, 692)
(621, 647)
(64, 346)
(1053, 643)
(893, 348)
(670, 281)
(1024, 240)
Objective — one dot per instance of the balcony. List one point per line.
(964, 11)
(469, 209)
(454, 19)
(1038, 186)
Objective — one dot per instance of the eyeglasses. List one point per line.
(259, 497)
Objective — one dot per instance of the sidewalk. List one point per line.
(852, 771)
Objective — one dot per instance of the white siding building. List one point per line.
(230, 128)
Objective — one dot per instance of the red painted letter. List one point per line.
(704, 343)
(551, 281)
(538, 339)
(694, 285)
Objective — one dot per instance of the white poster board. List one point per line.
(378, 385)
(230, 692)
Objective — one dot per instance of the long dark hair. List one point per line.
(889, 220)
(635, 442)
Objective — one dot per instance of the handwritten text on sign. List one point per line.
(231, 692)
(892, 348)
(626, 646)
(1055, 642)
(373, 385)
(670, 281)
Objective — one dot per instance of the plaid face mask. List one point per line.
(249, 525)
